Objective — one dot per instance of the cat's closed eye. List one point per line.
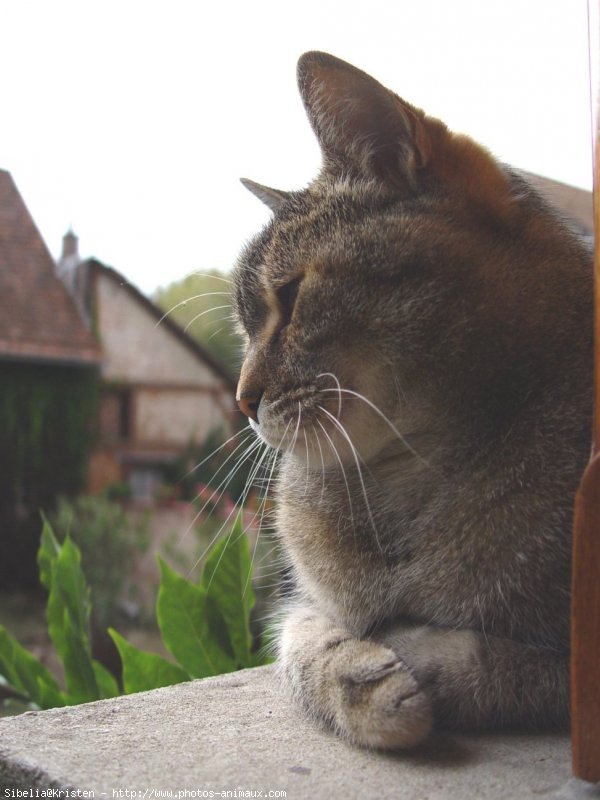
(286, 297)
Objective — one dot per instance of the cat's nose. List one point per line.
(248, 404)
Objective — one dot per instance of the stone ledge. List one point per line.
(240, 731)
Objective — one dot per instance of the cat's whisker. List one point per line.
(211, 542)
(237, 508)
(273, 564)
(217, 332)
(307, 462)
(274, 457)
(322, 462)
(344, 433)
(217, 493)
(203, 313)
(339, 389)
(222, 486)
(218, 320)
(271, 559)
(387, 421)
(262, 507)
(339, 460)
(267, 577)
(248, 485)
(229, 328)
(252, 568)
(239, 463)
(208, 275)
(267, 555)
(399, 390)
(292, 445)
(274, 585)
(262, 483)
(189, 300)
(247, 430)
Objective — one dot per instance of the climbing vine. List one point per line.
(47, 416)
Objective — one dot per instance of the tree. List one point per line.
(201, 304)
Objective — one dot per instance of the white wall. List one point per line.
(147, 357)
(139, 351)
(175, 417)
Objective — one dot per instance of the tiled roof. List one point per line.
(38, 318)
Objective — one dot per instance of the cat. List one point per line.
(418, 328)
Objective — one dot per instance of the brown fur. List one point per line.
(453, 309)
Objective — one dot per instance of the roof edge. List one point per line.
(198, 350)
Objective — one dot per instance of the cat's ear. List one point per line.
(273, 198)
(362, 127)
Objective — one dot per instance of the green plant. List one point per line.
(109, 540)
(68, 613)
(204, 626)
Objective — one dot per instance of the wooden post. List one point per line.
(585, 608)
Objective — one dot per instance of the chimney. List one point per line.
(69, 259)
(70, 245)
(74, 274)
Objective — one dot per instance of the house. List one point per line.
(160, 390)
(39, 323)
(49, 362)
(79, 344)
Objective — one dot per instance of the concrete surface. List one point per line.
(239, 732)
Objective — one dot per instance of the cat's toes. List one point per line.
(381, 704)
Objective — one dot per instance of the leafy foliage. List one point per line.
(109, 541)
(204, 626)
(68, 615)
(200, 304)
(199, 623)
(47, 418)
(143, 670)
(28, 679)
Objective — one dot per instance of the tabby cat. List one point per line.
(419, 331)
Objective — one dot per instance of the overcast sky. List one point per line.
(132, 121)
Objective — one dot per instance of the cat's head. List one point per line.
(374, 293)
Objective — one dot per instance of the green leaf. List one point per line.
(105, 681)
(68, 613)
(47, 554)
(26, 674)
(49, 695)
(183, 618)
(142, 670)
(227, 579)
(77, 662)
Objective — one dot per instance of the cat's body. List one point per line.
(419, 347)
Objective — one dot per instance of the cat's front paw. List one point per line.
(379, 703)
